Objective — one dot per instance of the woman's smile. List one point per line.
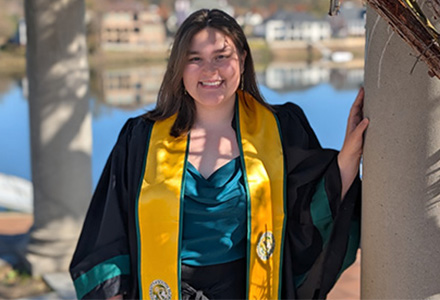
(213, 70)
(211, 84)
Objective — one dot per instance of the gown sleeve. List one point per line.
(101, 266)
(322, 230)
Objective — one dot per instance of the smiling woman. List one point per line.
(216, 194)
(213, 72)
(211, 77)
(222, 33)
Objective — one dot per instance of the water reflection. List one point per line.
(284, 77)
(136, 87)
(324, 92)
(128, 88)
(131, 88)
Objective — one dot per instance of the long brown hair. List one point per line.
(172, 97)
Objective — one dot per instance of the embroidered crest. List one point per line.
(266, 245)
(159, 290)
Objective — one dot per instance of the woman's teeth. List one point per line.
(212, 83)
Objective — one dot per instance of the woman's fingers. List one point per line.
(356, 112)
(355, 140)
(359, 133)
(362, 126)
(359, 101)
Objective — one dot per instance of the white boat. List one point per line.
(341, 56)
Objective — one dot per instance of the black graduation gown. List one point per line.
(311, 264)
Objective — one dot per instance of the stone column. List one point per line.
(401, 171)
(60, 122)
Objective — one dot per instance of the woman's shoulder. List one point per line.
(294, 126)
(140, 122)
(135, 127)
(289, 112)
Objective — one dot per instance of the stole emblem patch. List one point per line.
(266, 245)
(159, 290)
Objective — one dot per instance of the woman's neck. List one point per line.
(214, 118)
(213, 141)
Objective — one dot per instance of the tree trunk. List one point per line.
(60, 122)
(401, 171)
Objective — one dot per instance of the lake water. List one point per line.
(325, 94)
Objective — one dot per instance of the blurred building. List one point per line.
(128, 25)
(350, 21)
(210, 4)
(183, 8)
(10, 14)
(20, 37)
(291, 26)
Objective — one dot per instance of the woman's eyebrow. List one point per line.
(225, 48)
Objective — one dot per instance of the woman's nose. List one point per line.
(209, 66)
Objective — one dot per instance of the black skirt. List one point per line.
(221, 281)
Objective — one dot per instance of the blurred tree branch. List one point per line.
(406, 18)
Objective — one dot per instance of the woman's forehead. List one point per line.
(211, 39)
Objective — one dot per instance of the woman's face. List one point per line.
(213, 69)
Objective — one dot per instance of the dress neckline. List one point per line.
(224, 168)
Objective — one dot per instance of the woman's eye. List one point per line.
(194, 59)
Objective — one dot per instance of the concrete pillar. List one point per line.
(401, 179)
(60, 122)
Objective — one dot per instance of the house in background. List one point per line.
(249, 21)
(291, 26)
(183, 8)
(210, 4)
(350, 22)
(132, 26)
(20, 37)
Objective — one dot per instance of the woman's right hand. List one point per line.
(117, 297)
(351, 152)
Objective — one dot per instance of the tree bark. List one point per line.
(60, 127)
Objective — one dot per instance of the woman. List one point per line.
(217, 195)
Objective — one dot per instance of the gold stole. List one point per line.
(159, 209)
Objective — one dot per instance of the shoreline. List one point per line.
(13, 62)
